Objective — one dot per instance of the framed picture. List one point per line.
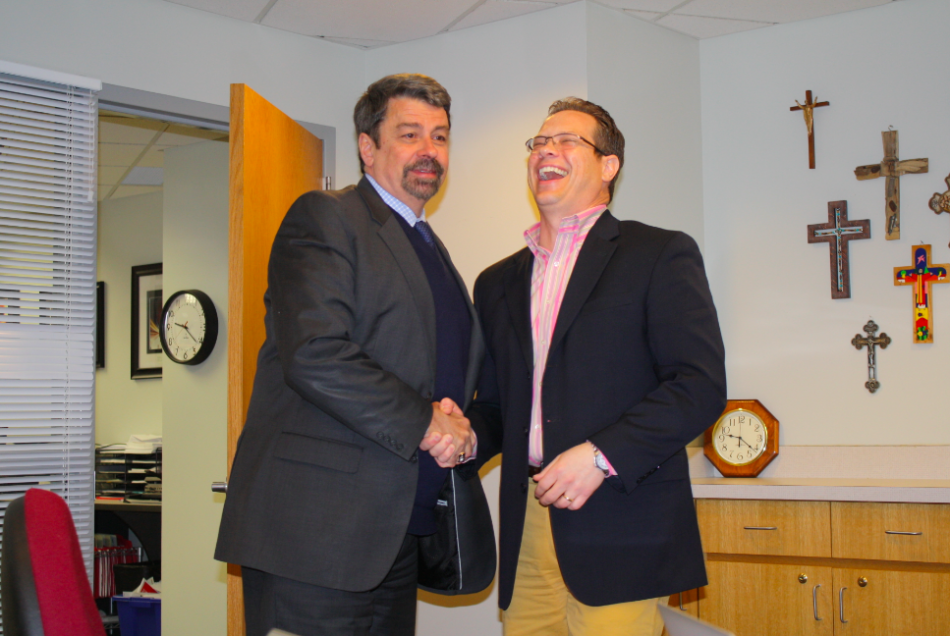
(146, 316)
(101, 325)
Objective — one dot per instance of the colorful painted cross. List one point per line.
(808, 110)
(870, 341)
(838, 232)
(922, 275)
(892, 169)
(941, 202)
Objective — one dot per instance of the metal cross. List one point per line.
(870, 341)
(838, 232)
(941, 202)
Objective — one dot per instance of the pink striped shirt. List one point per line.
(549, 279)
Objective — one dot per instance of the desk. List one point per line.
(144, 519)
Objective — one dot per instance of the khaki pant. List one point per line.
(542, 604)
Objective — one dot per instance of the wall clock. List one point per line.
(189, 326)
(744, 439)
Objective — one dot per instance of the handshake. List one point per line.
(449, 438)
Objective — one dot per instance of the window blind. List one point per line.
(47, 291)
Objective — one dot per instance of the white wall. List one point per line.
(647, 77)
(174, 50)
(194, 589)
(130, 233)
(787, 341)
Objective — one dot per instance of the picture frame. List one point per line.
(146, 315)
(101, 325)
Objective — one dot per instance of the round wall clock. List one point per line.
(744, 439)
(189, 326)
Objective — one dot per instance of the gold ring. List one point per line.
(569, 500)
(461, 458)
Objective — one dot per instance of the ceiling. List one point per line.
(369, 24)
(132, 152)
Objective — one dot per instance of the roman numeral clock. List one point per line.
(189, 327)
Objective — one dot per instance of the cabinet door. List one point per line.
(891, 603)
(764, 599)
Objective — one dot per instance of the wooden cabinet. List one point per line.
(826, 568)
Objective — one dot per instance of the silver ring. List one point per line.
(461, 458)
(569, 500)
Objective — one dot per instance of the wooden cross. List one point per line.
(941, 202)
(921, 275)
(891, 168)
(882, 341)
(838, 232)
(808, 109)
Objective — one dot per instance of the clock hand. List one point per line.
(187, 330)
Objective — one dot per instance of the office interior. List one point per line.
(712, 150)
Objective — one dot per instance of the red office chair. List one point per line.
(44, 590)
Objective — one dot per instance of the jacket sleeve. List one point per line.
(684, 338)
(312, 280)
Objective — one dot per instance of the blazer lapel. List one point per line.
(595, 253)
(518, 297)
(395, 239)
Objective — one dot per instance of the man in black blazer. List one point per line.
(343, 494)
(607, 361)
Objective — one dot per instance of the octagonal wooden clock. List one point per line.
(743, 440)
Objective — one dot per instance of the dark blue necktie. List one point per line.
(423, 228)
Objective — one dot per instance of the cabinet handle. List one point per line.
(814, 601)
(841, 604)
(681, 602)
(909, 534)
(761, 528)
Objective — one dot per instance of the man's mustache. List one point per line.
(429, 165)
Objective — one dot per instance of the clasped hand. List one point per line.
(570, 479)
(449, 434)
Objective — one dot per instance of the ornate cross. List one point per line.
(941, 202)
(891, 168)
(870, 341)
(921, 275)
(808, 109)
(838, 232)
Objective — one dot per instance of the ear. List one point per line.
(609, 168)
(367, 149)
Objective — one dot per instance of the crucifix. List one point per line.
(921, 275)
(838, 232)
(891, 168)
(870, 341)
(941, 202)
(808, 110)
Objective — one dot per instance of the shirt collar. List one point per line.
(398, 206)
(579, 223)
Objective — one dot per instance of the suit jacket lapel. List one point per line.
(518, 297)
(395, 239)
(595, 253)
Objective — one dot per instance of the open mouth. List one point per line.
(550, 173)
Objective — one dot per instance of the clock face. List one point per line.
(189, 327)
(740, 437)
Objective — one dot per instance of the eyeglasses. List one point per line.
(567, 141)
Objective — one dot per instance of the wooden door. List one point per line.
(273, 161)
(766, 599)
(891, 603)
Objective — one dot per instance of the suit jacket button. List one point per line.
(526, 430)
(524, 487)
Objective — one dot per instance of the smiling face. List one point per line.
(413, 153)
(563, 180)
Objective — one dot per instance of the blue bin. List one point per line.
(139, 616)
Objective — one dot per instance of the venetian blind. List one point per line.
(48, 290)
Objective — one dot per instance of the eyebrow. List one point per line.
(417, 126)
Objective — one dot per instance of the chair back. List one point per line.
(43, 582)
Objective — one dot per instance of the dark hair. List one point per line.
(371, 108)
(608, 137)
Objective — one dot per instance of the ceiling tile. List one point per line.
(118, 154)
(142, 176)
(774, 10)
(131, 191)
(366, 19)
(706, 27)
(363, 44)
(154, 158)
(246, 10)
(109, 176)
(649, 16)
(655, 6)
(182, 136)
(495, 10)
(127, 131)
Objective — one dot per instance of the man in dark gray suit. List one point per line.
(343, 495)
